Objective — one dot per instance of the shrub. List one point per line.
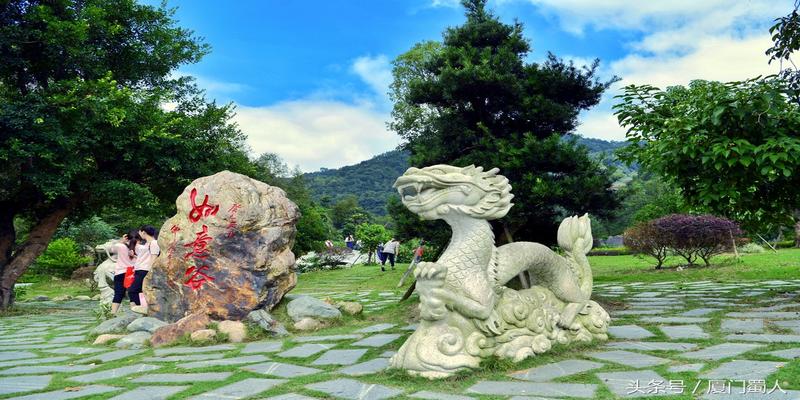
(645, 239)
(60, 259)
(406, 251)
(371, 235)
(751, 248)
(697, 236)
(334, 258)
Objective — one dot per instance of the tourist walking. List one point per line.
(146, 252)
(381, 256)
(389, 252)
(124, 250)
(349, 242)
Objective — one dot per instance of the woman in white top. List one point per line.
(146, 252)
(124, 250)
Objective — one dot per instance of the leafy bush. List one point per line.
(751, 248)
(328, 259)
(60, 259)
(689, 236)
(371, 235)
(406, 251)
(90, 232)
(697, 236)
(645, 239)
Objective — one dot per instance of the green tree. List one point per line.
(371, 235)
(474, 100)
(732, 148)
(82, 91)
(60, 258)
(345, 211)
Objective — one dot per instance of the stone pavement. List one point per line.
(690, 340)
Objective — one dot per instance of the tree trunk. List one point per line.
(797, 232)
(13, 266)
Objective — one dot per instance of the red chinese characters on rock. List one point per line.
(175, 229)
(232, 218)
(196, 274)
(201, 211)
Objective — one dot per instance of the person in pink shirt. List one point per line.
(125, 258)
(146, 252)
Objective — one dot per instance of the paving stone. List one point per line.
(765, 314)
(629, 332)
(742, 325)
(150, 393)
(637, 312)
(281, 369)
(352, 389)
(376, 328)
(75, 350)
(333, 338)
(388, 353)
(378, 340)
(16, 355)
(743, 369)
(262, 347)
(340, 357)
(699, 312)
(32, 361)
(552, 371)
(185, 358)
(306, 350)
(69, 339)
(244, 388)
(224, 361)
(628, 384)
(788, 354)
(35, 347)
(438, 396)
(83, 391)
(720, 351)
(45, 369)
(684, 332)
(676, 320)
(581, 390)
(791, 325)
(291, 396)
(411, 327)
(111, 356)
(686, 368)
(653, 346)
(182, 378)
(114, 373)
(367, 367)
(193, 350)
(629, 358)
(765, 337)
(20, 384)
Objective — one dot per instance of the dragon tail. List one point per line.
(575, 238)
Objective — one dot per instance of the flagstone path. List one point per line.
(674, 341)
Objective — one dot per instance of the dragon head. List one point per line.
(440, 190)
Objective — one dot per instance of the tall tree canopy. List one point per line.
(472, 99)
(83, 121)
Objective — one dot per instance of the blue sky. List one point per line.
(309, 78)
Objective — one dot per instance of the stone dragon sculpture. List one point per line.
(466, 311)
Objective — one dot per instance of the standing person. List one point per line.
(389, 251)
(380, 253)
(349, 242)
(146, 252)
(124, 250)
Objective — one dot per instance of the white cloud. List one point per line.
(375, 72)
(682, 40)
(316, 133)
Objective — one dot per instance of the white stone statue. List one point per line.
(466, 311)
(104, 273)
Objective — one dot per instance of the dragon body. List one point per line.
(466, 310)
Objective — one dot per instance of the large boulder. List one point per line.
(116, 324)
(226, 252)
(172, 332)
(307, 306)
(135, 340)
(145, 324)
(265, 321)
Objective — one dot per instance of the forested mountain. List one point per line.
(371, 180)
